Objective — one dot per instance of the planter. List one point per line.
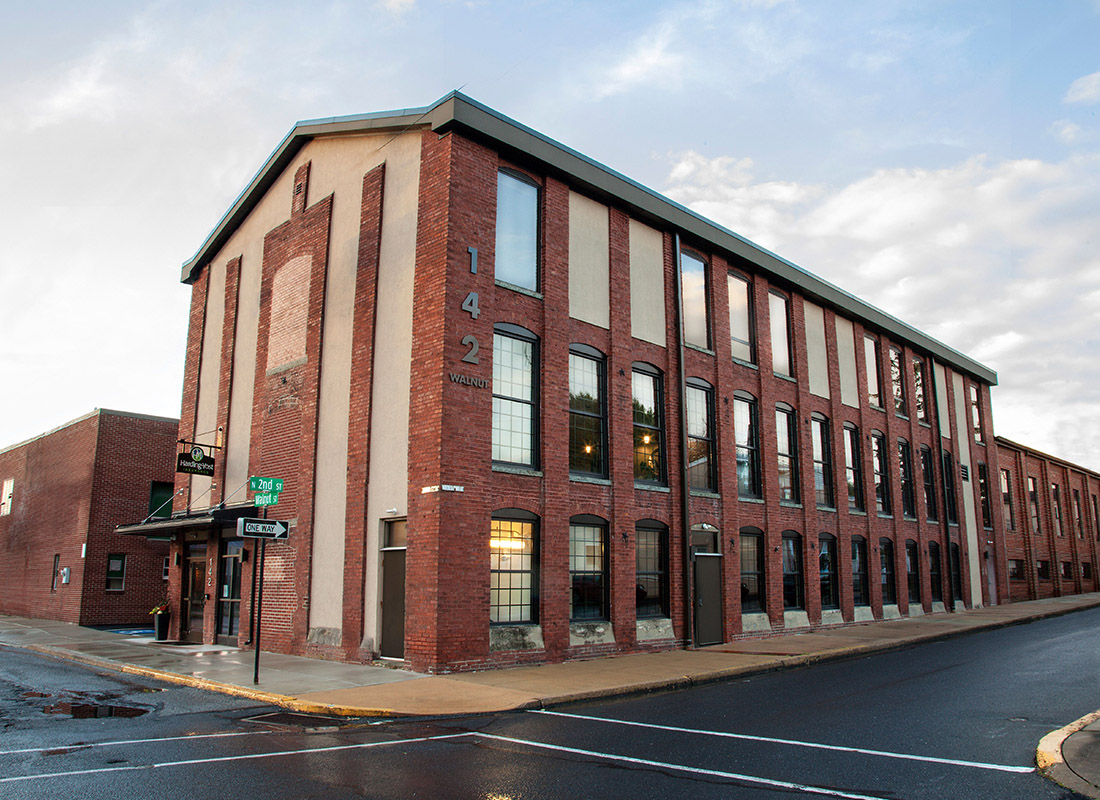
(160, 626)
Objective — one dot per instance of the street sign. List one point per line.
(263, 528)
(265, 498)
(258, 484)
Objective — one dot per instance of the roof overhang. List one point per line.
(167, 528)
(457, 112)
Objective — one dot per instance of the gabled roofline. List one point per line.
(457, 112)
(1009, 444)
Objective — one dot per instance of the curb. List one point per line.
(268, 698)
(1051, 764)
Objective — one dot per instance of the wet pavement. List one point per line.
(315, 686)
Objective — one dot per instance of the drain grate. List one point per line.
(291, 720)
(94, 710)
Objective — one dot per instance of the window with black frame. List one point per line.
(651, 570)
(700, 431)
(515, 411)
(649, 466)
(693, 286)
(752, 570)
(747, 440)
(786, 436)
(886, 563)
(794, 593)
(853, 467)
(931, 511)
(588, 569)
(587, 411)
(935, 572)
(880, 467)
(517, 231)
(741, 323)
(823, 461)
(905, 475)
(829, 571)
(912, 571)
(513, 569)
(861, 595)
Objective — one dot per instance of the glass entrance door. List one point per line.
(229, 591)
(194, 587)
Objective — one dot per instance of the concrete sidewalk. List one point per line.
(314, 686)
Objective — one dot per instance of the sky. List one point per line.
(940, 160)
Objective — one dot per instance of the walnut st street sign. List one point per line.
(253, 528)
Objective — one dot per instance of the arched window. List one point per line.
(828, 567)
(651, 569)
(752, 570)
(794, 595)
(935, 571)
(886, 562)
(588, 568)
(513, 567)
(860, 594)
(912, 571)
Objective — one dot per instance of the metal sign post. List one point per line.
(263, 529)
(259, 617)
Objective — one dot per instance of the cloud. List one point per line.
(1084, 90)
(997, 259)
(650, 60)
(1067, 132)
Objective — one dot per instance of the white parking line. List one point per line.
(120, 742)
(214, 760)
(815, 745)
(805, 788)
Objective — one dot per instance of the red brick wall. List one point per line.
(73, 486)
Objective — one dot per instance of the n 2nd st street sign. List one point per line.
(258, 484)
(253, 528)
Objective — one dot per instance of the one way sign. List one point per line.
(263, 528)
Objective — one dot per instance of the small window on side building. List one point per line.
(116, 572)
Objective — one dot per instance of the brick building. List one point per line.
(1051, 514)
(61, 496)
(528, 410)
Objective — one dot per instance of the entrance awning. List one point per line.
(208, 518)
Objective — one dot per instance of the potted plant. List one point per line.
(161, 615)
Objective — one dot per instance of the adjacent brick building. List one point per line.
(468, 352)
(61, 496)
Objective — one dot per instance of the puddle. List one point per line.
(94, 710)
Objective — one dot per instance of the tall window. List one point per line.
(879, 465)
(976, 412)
(874, 384)
(57, 571)
(160, 499)
(779, 316)
(983, 494)
(928, 477)
(853, 467)
(905, 475)
(823, 461)
(912, 571)
(1056, 509)
(116, 572)
(588, 568)
(860, 594)
(587, 411)
(1078, 520)
(1006, 500)
(897, 381)
(649, 425)
(517, 247)
(889, 581)
(700, 430)
(513, 569)
(918, 389)
(786, 432)
(935, 572)
(1033, 503)
(1096, 517)
(827, 566)
(793, 592)
(747, 439)
(651, 570)
(752, 570)
(515, 351)
(1042, 569)
(741, 327)
(693, 288)
(949, 488)
(6, 495)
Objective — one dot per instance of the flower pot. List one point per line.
(160, 626)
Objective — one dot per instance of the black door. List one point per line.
(393, 590)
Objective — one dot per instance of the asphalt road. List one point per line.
(952, 719)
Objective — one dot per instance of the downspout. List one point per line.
(945, 523)
(685, 483)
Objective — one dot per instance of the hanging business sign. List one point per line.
(195, 461)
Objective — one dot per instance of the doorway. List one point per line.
(194, 592)
(707, 577)
(229, 591)
(394, 546)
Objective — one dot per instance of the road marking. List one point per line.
(800, 787)
(815, 745)
(213, 760)
(90, 745)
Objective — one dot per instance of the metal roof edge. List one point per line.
(1004, 441)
